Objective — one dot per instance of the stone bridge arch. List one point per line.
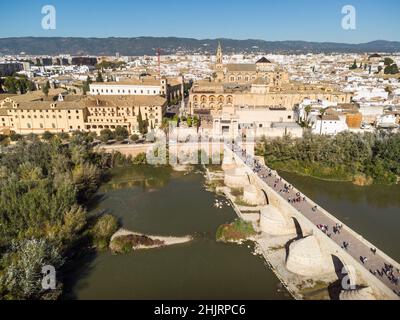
(266, 196)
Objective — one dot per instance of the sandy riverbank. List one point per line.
(162, 241)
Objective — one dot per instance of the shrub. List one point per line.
(103, 230)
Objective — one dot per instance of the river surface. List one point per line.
(160, 202)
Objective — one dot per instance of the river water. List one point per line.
(162, 202)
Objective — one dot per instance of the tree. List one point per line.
(142, 124)
(354, 66)
(106, 135)
(10, 85)
(23, 276)
(102, 231)
(47, 135)
(323, 112)
(99, 77)
(16, 137)
(46, 88)
(388, 61)
(307, 110)
(134, 137)
(121, 133)
(189, 121)
(196, 121)
(86, 85)
(392, 69)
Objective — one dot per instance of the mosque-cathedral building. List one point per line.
(263, 84)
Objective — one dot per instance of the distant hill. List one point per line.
(148, 45)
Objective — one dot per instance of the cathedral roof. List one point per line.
(261, 81)
(263, 60)
(241, 67)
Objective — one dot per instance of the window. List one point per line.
(41, 126)
(28, 125)
(53, 125)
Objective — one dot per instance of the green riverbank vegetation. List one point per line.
(44, 188)
(126, 244)
(360, 158)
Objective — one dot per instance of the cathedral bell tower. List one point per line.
(219, 65)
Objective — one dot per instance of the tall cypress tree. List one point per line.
(140, 121)
(99, 77)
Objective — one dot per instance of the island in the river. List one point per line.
(125, 241)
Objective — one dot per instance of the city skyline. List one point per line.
(304, 20)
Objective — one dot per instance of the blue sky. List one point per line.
(310, 20)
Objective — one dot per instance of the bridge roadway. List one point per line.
(357, 248)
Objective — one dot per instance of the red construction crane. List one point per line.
(159, 62)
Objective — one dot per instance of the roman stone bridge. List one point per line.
(311, 252)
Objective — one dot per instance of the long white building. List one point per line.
(138, 87)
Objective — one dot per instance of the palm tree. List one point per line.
(322, 112)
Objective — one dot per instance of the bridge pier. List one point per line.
(236, 178)
(306, 258)
(275, 223)
(254, 196)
